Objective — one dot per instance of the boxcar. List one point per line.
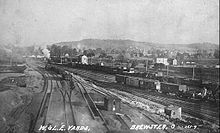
(132, 81)
(148, 84)
(120, 79)
(192, 82)
(169, 88)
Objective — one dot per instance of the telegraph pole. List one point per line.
(146, 65)
(193, 72)
(11, 57)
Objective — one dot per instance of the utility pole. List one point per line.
(11, 57)
(193, 72)
(61, 55)
(146, 65)
(167, 69)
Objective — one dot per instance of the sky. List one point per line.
(43, 22)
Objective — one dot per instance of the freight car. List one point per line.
(150, 81)
(145, 84)
(155, 85)
(149, 84)
(120, 79)
(132, 81)
(173, 89)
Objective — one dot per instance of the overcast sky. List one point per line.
(27, 22)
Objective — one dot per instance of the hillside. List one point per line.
(203, 46)
(105, 44)
(124, 44)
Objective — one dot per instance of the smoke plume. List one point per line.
(46, 53)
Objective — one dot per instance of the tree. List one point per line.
(102, 55)
(98, 50)
(216, 53)
(121, 58)
(109, 57)
(55, 50)
(74, 52)
(159, 66)
(85, 52)
(91, 54)
(141, 54)
(170, 61)
(134, 63)
(64, 50)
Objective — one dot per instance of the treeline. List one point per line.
(58, 51)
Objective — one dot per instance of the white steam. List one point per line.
(46, 53)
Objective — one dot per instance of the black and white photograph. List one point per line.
(109, 66)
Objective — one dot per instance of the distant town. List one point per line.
(139, 56)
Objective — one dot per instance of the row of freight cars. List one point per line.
(194, 87)
(142, 83)
(167, 78)
(93, 67)
(123, 71)
(162, 87)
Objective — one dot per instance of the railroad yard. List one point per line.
(93, 102)
(99, 66)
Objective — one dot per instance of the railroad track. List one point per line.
(200, 113)
(66, 99)
(190, 108)
(63, 95)
(119, 117)
(94, 111)
(90, 75)
(100, 76)
(172, 101)
(198, 110)
(177, 102)
(47, 100)
(194, 103)
(41, 116)
(44, 90)
(125, 124)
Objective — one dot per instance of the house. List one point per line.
(174, 62)
(84, 60)
(162, 60)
